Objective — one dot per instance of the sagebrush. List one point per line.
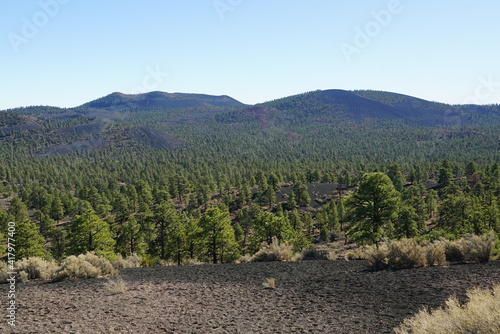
(481, 314)
(37, 268)
(131, 261)
(86, 265)
(408, 253)
(275, 251)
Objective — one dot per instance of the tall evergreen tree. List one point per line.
(219, 236)
(396, 176)
(91, 234)
(164, 216)
(177, 241)
(374, 204)
(131, 238)
(445, 174)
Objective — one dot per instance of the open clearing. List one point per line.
(310, 297)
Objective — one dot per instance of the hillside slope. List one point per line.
(354, 121)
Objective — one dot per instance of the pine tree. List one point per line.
(219, 235)
(274, 182)
(245, 195)
(408, 222)
(57, 209)
(194, 237)
(29, 240)
(470, 169)
(58, 241)
(445, 174)
(177, 239)
(301, 195)
(131, 238)
(164, 216)
(268, 226)
(396, 176)
(91, 234)
(373, 205)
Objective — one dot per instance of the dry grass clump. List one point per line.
(166, 263)
(480, 314)
(274, 252)
(22, 276)
(245, 259)
(270, 283)
(115, 286)
(82, 266)
(400, 254)
(331, 252)
(406, 253)
(131, 261)
(37, 268)
(85, 266)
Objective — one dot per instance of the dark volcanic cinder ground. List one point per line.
(310, 297)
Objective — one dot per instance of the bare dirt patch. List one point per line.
(310, 297)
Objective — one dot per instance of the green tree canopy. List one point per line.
(373, 204)
(219, 236)
(90, 233)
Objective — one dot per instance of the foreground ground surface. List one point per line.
(310, 297)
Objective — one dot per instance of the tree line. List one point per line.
(215, 220)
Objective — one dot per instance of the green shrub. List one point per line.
(480, 314)
(149, 260)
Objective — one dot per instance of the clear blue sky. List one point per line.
(252, 50)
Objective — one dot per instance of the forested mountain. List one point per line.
(172, 120)
(148, 167)
(124, 102)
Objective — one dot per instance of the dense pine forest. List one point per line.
(185, 178)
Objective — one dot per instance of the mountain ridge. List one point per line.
(158, 99)
(163, 120)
